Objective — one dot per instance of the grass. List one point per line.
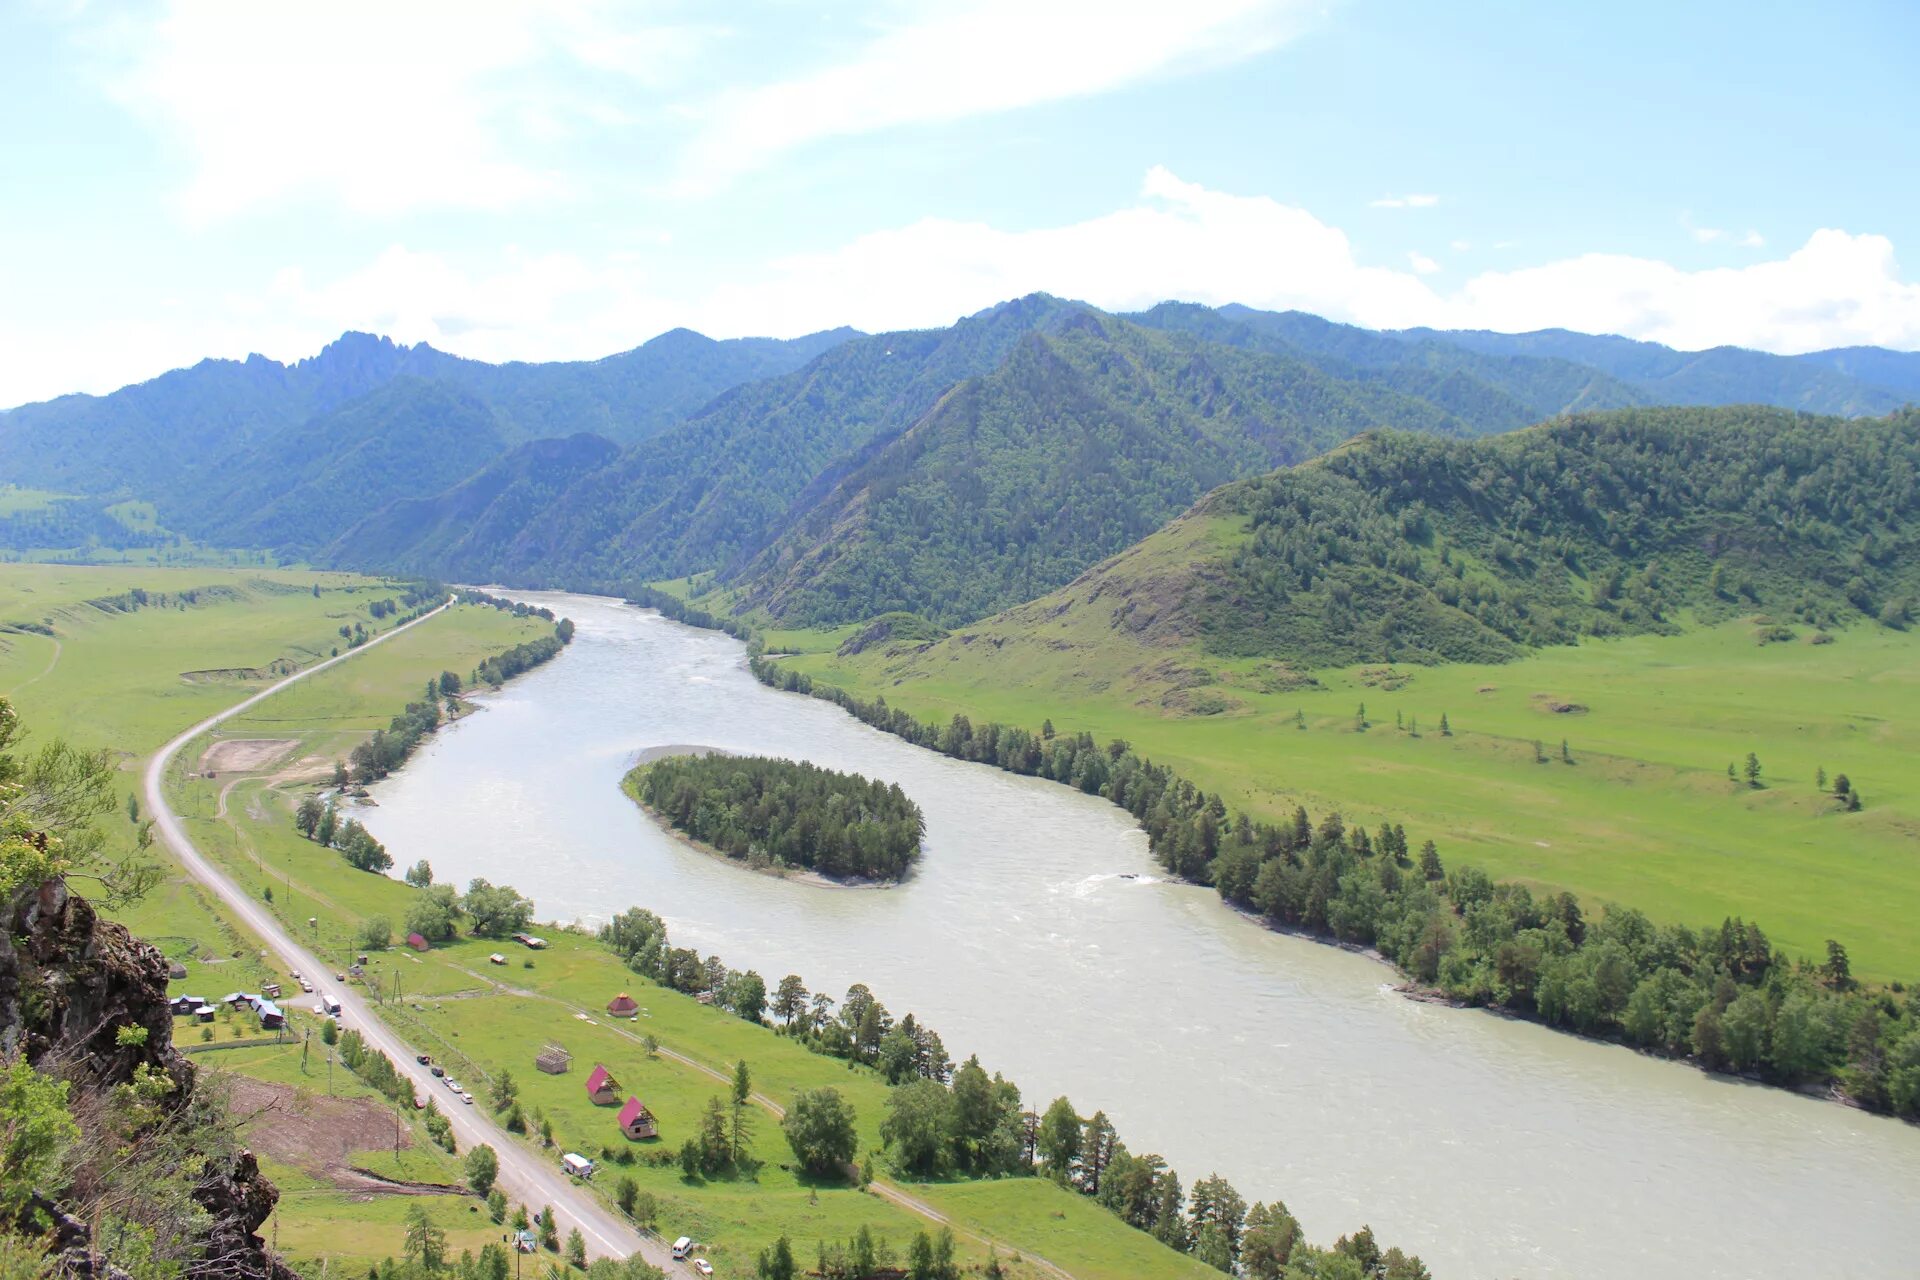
(1644, 816)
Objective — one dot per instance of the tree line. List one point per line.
(1720, 995)
(785, 813)
(947, 1121)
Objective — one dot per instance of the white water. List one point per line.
(1493, 1148)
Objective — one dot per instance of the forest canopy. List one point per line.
(782, 813)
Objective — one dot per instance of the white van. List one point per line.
(577, 1165)
(682, 1247)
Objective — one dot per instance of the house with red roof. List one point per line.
(602, 1088)
(623, 1006)
(636, 1121)
(417, 942)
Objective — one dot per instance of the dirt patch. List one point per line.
(244, 755)
(1557, 706)
(314, 1132)
(239, 675)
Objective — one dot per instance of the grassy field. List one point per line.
(483, 1020)
(1644, 815)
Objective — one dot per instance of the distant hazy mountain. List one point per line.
(1820, 383)
(148, 440)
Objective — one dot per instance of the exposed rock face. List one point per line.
(70, 983)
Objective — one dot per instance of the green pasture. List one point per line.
(1644, 816)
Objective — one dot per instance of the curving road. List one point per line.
(524, 1176)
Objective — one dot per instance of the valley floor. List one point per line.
(1639, 810)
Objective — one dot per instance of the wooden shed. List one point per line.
(554, 1060)
(602, 1088)
(636, 1121)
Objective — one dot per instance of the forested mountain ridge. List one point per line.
(1092, 434)
(302, 486)
(457, 533)
(1408, 548)
(716, 488)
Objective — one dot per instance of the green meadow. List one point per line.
(1644, 815)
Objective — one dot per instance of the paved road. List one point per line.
(528, 1178)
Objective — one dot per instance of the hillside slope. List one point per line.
(455, 533)
(1405, 548)
(1087, 438)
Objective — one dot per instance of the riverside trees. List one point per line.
(785, 813)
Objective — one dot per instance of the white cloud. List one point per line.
(1176, 240)
(1405, 202)
(1422, 264)
(1707, 235)
(1460, 246)
(382, 107)
(952, 61)
(1753, 240)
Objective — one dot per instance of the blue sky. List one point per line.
(568, 179)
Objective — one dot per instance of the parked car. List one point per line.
(683, 1247)
(466, 1097)
(704, 1267)
(436, 1068)
(453, 1084)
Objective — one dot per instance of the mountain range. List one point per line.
(950, 472)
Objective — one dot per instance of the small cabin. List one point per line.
(417, 942)
(496, 958)
(635, 1121)
(176, 970)
(554, 1060)
(270, 1016)
(184, 1005)
(623, 1006)
(204, 1013)
(602, 1088)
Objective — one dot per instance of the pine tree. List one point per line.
(1300, 718)
(1820, 778)
(1360, 719)
(1566, 755)
(1539, 752)
(1446, 730)
(1753, 770)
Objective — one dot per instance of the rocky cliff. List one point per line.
(83, 1000)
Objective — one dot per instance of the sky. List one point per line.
(566, 179)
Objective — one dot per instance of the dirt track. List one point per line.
(244, 755)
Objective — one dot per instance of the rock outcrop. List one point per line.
(76, 991)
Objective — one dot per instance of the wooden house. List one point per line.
(635, 1121)
(417, 942)
(623, 1006)
(602, 1088)
(554, 1060)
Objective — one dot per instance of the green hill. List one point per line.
(1403, 548)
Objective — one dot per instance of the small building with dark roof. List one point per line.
(635, 1121)
(623, 1006)
(602, 1088)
